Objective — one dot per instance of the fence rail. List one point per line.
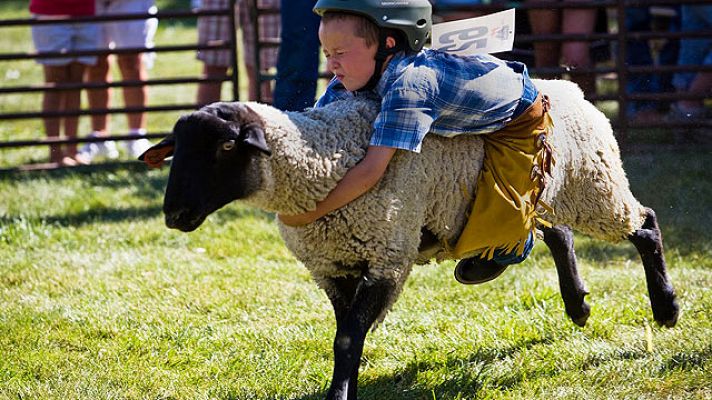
(617, 41)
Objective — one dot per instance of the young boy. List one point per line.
(375, 48)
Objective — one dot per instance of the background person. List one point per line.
(641, 52)
(63, 37)
(216, 63)
(570, 54)
(133, 66)
(298, 61)
(694, 51)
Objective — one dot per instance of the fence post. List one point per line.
(233, 53)
(256, 74)
(622, 68)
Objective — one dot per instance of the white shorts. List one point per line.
(132, 33)
(65, 37)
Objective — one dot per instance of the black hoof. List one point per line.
(579, 317)
(668, 318)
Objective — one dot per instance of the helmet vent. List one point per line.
(421, 23)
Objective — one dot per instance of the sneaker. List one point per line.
(137, 147)
(91, 150)
(475, 270)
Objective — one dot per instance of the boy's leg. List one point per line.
(476, 270)
(502, 234)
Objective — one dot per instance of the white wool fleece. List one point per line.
(380, 231)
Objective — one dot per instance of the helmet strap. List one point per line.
(381, 55)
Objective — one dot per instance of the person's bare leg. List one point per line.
(99, 99)
(266, 92)
(545, 21)
(251, 83)
(133, 69)
(577, 54)
(72, 102)
(265, 87)
(209, 92)
(53, 101)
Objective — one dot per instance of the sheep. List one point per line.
(361, 254)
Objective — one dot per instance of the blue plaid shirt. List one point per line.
(448, 95)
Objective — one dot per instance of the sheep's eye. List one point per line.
(228, 145)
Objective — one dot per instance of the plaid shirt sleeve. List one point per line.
(406, 116)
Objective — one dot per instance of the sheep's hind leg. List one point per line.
(648, 240)
(560, 241)
(354, 319)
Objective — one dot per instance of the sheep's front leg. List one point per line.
(649, 242)
(560, 241)
(341, 293)
(369, 300)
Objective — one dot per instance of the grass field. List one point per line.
(98, 300)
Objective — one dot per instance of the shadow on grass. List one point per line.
(92, 216)
(111, 175)
(117, 176)
(674, 183)
(695, 359)
(466, 377)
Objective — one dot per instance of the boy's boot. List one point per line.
(475, 270)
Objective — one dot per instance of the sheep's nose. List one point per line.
(173, 217)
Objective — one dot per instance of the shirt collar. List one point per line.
(388, 74)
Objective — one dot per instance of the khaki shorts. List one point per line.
(65, 37)
(132, 33)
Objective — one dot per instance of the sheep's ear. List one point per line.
(154, 156)
(255, 137)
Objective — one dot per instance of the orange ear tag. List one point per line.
(153, 158)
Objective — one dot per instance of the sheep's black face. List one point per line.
(215, 161)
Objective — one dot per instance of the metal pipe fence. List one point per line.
(616, 70)
(230, 44)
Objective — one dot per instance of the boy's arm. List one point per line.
(357, 181)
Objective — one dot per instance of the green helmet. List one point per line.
(411, 17)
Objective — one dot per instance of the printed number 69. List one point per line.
(465, 37)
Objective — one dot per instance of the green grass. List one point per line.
(98, 300)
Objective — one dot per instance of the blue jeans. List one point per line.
(502, 258)
(694, 51)
(298, 60)
(638, 19)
